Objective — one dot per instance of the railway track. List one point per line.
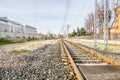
(89, 65)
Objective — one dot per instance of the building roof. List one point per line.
(16, 23)
(30, 26)
(4, 19)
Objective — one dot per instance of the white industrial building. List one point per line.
(29, 31)
(11, 29)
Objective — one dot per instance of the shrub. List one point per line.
(5, 41)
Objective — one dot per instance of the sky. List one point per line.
(47, 15)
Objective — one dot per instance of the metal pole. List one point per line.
(106, 24)
(95, 23)
(68, 26)
(64, 33)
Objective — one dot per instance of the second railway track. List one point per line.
(88, 66)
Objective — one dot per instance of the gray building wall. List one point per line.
(4, 27)
(30, 30)
(13, 29)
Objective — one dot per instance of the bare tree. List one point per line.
(115, 3)
(101, 15)
(89, 23)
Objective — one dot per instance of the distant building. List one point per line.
(30, 30)
(47, 36)
(41, 36)
(16, 27)
(115, 29)
(4, 25)
(12, 29)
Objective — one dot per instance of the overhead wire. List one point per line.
(81, 11)
(67, 9)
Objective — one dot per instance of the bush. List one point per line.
(6, 41)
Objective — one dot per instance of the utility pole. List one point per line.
(64, 31)
(106, 24)
(95, 23)
(68, 26)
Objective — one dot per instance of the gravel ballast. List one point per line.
(45, 64)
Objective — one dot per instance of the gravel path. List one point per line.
(43, 64)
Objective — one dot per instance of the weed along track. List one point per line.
(89, 65)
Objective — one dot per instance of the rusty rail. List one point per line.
(76, 71)
(103, 58)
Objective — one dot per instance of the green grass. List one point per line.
(114, 44)
(15, 52)
(108, 50)
(3, 42)
(97, 48)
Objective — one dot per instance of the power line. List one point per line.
(67, 9)
(81, 10)
(68, 26)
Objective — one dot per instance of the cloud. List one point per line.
(44, 14)
(12, 10)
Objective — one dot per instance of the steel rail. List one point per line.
(76, 71)
(103, 58)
